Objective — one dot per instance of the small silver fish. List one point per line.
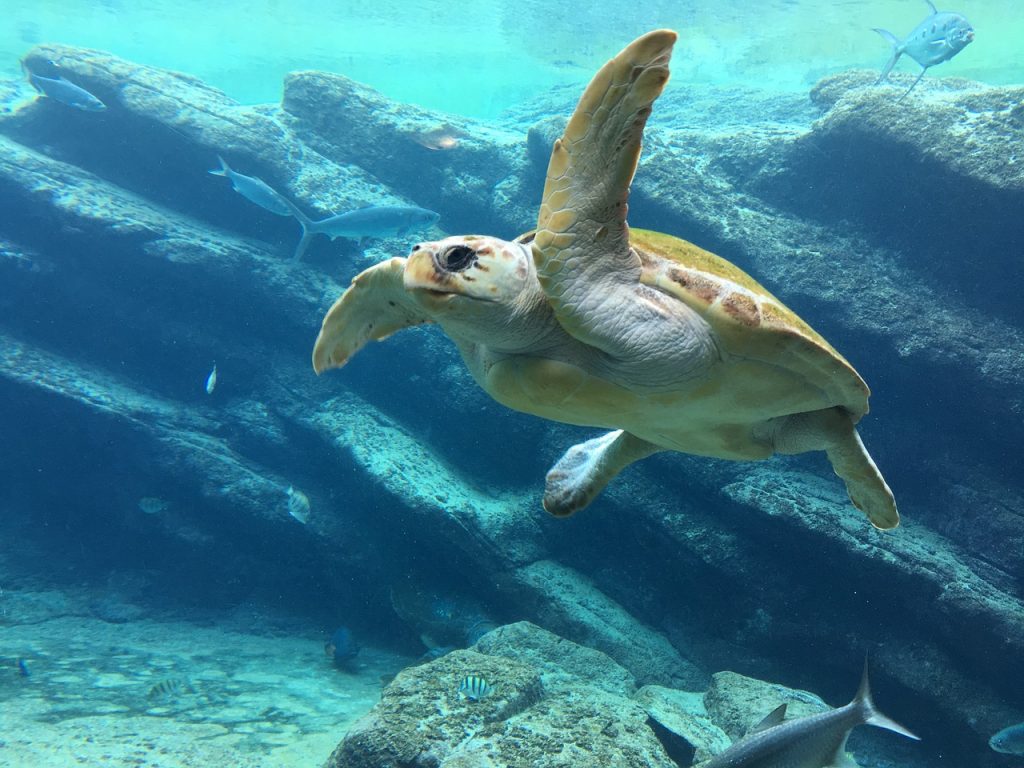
(806, 742)
(255, 190)
(1009, 741)
(442, 138)
(298, 505)
(474, 688)
(371, 221)
(63, 90)
(211, 380)
(938, 38)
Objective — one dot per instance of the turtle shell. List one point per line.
(748, 321)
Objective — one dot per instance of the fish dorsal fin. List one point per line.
(775, 717)
(932, 6)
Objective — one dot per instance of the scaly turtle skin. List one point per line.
(588, 322)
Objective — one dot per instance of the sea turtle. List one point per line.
(588, 322)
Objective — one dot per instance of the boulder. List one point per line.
(684, 715)
(538, 714)
(737, 703)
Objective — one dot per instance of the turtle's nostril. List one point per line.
(457, 258)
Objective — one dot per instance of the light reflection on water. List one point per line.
(477, 57)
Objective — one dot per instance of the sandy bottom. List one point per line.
(153, 694)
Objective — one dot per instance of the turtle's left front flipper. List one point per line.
(581, 247)
(374, 306)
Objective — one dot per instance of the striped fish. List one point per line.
(170, 687)
(474, 688)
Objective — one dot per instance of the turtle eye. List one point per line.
(457, 258)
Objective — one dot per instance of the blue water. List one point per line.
(146, 533)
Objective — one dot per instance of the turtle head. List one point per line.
(479, 288)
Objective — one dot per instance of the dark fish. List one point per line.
(63, 90)
(23, 668)
(172, 686)
(371, 221)
(938, 38)
(342, 647)
(255, 190)
(814, 741)
(475, 688)
(1009, 741)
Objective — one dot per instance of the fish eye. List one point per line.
(457, 258)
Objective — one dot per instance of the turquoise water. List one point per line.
(210, 556)
(476, 58)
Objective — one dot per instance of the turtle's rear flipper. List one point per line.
(374, 306)
(865, 484)
(585, 469)
(831, 430)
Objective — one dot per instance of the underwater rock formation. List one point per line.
(553, 703)
(479, 178)
(539, 713)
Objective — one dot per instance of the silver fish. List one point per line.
(371, 221)
(63, 90)
(814, 741)
(298, 505)
(255, 190)
(938, 38)
(211, 380)
(1009, 741)
(474, 688)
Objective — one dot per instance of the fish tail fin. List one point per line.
(303, 243)
(308, 229)
(869, 712)
(224, 168)
(897, 51)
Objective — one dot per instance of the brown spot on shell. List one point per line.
(772, 315)
(742, 308)
(694, 283)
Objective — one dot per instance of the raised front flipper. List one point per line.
(581, 247)
(374, 306)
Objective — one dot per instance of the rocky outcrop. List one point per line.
(541, 712)
(737, 703)
(479, 176)
(555, 703)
